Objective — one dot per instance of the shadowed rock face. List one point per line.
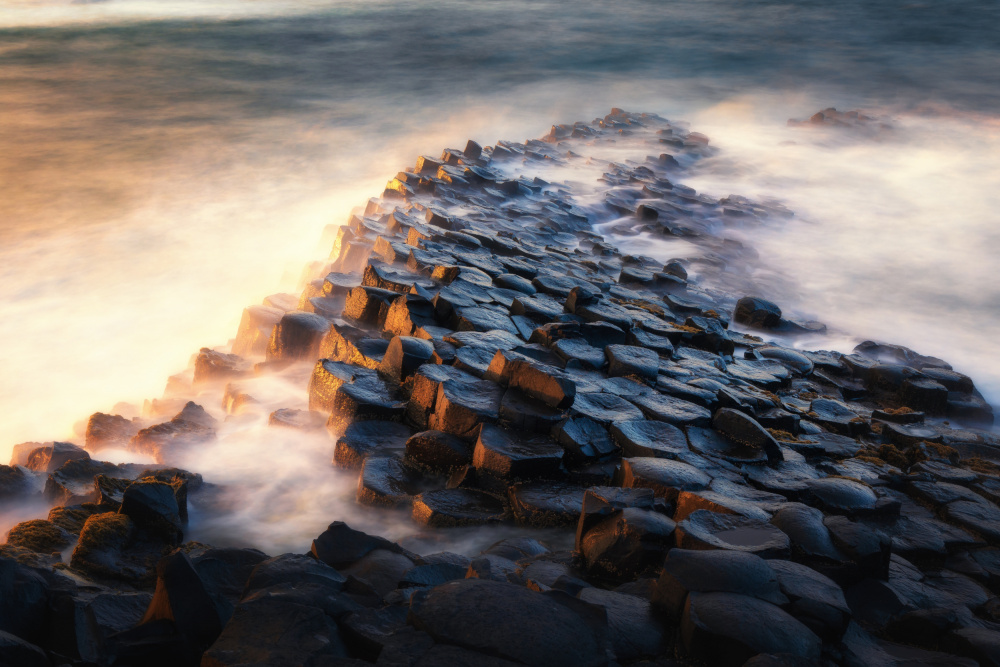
(484, 359)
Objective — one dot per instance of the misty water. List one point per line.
(164, 163)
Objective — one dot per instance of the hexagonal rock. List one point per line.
(387, 482)
(980, 518)
(462, 406)
(370, 438)
(756, 312)
(641, 437)
(546, 503)
(583, 440)
(577, 348)
(152, 506)
(625, 360)
(255, 330)
(671, 410)
(728, 629)
(665, 477)
(708, 442)
(605, 408)
(840, 495)
(105, 430)
(369, 305)
(300, 420)
(423, 396)
(837, 417)
(720, 503)
(816, 600)
(50, 457)
(636, 632)
(502, 453)
(686, 571)
(524, 413)
(297, 336)
(438, 451)
(540, 381)
(457, 507)
(327, 377)
(627, 543)
(212, 366)
(365, 398)
(745, 430)
(707, 530)
(404, 356)
(508, 621)
(809, 536)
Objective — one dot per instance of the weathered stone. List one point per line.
(686, 571)
(300, 420)
(51, 457)
(387, 482)
(502, 453)
(583, 440)
(423, 395)
(438, 451)
(841, 496)
(627, 543)
(457, 507)
(108, 431)
(605, 408)
(708, 530)
(507, 620)
(546, 503)
(191, 426)
(297, 337)
(404, 355)
(370, 438)
(665, 477)
(648, 438)
(635, 630)
(671, 410)
(744, 430)
(757, 312)
(523, 413)
(255, 330)
(461, 406)
(816, 600)
(152, 506)
(339, 546)
(716, 628)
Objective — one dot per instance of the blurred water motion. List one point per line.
(165, 163)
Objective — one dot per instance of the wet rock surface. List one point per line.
(482, 357)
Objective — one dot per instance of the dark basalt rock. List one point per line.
(504, 454)
(979, 518)
(14, 482)
(665, 477)
(686, 571)
(816, 600)
(191, 426)
(51, 457)
(16, 651)
(809, 536)
(387, 482)
(403, 356)
(841, 496)
(299, 420)
(108, 431)
(539, 381)
(605, 408)
(457, 507)
(111, 547)
(707, 530)
(274, 632)
(370, 438)
(423, 395)
(212, 366)
(629, 542)
(709, 443)
(744, 430)
(297, 337)
(153, 507)
(671, 410)
(510, 621)
(523, 413)
(715, 629)
(649, 438)
(626, 360)
(634, 629)
(340, 546)
(546, 503)
(23, 600)
(369, 305)
(837, 417)
(462, 405)
(583, 440)
(757, 312)
(437, 451)
(579, 349)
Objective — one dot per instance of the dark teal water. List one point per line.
(163, 163)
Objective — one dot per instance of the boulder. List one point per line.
(108, 431)
(508, 621)
(296, 337)
(756, 312)
(708, 530)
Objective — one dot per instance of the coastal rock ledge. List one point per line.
(482, 353)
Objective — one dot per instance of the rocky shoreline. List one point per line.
(482, 355)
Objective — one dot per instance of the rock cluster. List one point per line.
(480, 355)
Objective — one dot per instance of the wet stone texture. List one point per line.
(484, 358)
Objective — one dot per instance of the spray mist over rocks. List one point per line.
(548, 396)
